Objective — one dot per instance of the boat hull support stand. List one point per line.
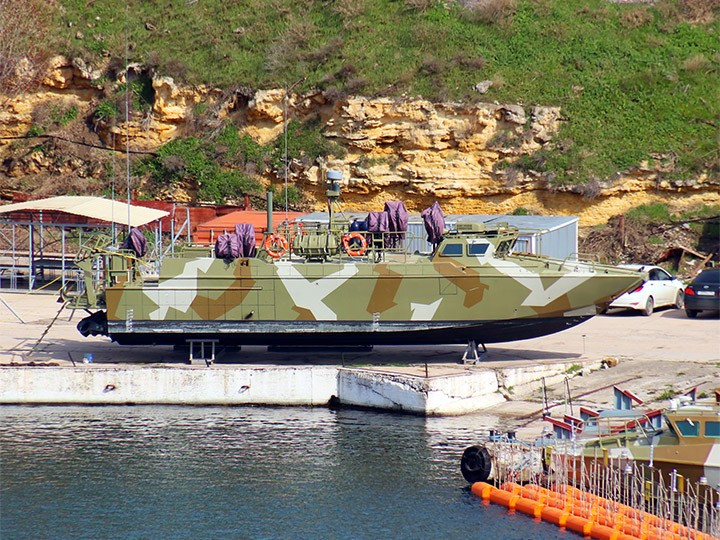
(473, 353)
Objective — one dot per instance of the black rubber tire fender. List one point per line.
(476, 464)
(84, 327)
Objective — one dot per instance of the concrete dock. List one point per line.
(656, 353)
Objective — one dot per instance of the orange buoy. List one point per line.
(500, 496)
(601, 532)
(631, 527)
(587, 514)
(512, 487)
(555, 515)
(558, 500)
(482, 489)
(530, 507)
(579, 525)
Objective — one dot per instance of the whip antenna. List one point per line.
(127, 111)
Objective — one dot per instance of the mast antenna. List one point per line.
(285, 126)
(127, 110)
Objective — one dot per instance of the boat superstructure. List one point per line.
(686, 440)
(328, 285)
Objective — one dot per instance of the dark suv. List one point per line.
(703, 293)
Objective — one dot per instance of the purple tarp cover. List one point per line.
(227, 247)
(378, 222)
(397, 220)
(236, 245)
(135, 241)
(246, 238)
(434, 223)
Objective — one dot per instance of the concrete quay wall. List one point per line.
(449, 395)
(165, 385)
(455, 393)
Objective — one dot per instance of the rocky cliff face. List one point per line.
(459, 154)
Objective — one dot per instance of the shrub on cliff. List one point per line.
(199, 164)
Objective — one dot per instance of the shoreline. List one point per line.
(661, 352)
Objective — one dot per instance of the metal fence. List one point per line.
(621, 489)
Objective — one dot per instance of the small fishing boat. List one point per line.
(681, 441)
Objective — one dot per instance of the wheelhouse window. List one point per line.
(688, 428)
(712, 429)
(452, 250)
(504, 246)
(477, 249)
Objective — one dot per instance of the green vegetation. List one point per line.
(304, 140)
(703, 211)
(634, 80)
(141, 94)
(573, 369)
(292, 194)
(667, 394)
(106, 110)
(63, 117)
(659, 214)
(206, 162)
(35, 131)
(708, 229)
(650, 213)
(50, 117)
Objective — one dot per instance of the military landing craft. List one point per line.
(328, 286)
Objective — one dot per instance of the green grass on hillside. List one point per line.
(635, 81)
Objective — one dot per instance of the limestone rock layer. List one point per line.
(462, 154)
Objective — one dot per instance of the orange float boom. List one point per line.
(585, 513)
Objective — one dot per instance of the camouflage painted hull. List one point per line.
(420, 300)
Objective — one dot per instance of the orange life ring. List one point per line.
(346, 244)
(275, 241)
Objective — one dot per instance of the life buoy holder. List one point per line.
(357, 251)
(276, 245)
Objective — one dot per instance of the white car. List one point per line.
(661, 289)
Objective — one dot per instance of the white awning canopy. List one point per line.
(91, 207)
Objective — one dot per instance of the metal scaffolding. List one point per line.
(38, 238)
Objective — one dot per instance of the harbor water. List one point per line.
(241, 473)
